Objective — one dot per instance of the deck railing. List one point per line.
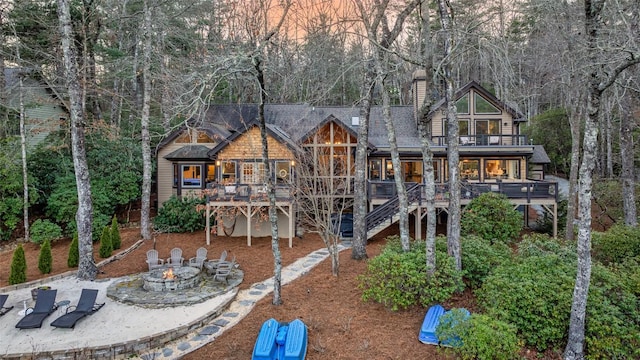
(529, 190)
(246, 192)
(485, 140)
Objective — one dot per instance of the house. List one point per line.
(221, 158)
(44, 111)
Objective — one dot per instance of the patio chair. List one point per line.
(153, 261)
(223, 270)
(212, 265)
(45, 305)
(86, 306)
(3, 300)
(176, 258)
(201, 257)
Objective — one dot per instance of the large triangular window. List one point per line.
(462, 105)
(482, 106)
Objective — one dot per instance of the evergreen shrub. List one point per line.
(18, 272)
(116, 240)
(45, 260)
(74, 253)
(106, 247)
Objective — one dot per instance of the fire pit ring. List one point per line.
(159, 280)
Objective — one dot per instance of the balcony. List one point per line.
(485, 140)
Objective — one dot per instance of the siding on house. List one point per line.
(249, 146)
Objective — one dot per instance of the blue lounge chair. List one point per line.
(429, 324)
(3, 300)
(86, 306)
(281, 341)
(45, 305)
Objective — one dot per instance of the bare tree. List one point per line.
(601, 77)
(87, 269)
(424, 129)
(626, 155)
(323, 198)
(381, 38)
(455, 213)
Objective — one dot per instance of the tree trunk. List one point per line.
(453, 221)
(359, 242)
(271, 192)
(626, 155)
(23, 148)
(145, 212)
(403, 201)
(572, 196)
(599, 80)
(424, 130)
(87, 269)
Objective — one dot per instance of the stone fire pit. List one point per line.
(159, 280)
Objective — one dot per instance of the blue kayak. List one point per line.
(281, 341)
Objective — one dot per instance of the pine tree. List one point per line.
(45, 260)
(106, 247)
(74, 256)
(18, 272)
(116, 241)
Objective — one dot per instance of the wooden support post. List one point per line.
(418, 223)
(249, 216)
(208, 226)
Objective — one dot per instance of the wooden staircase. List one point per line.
(388, 213)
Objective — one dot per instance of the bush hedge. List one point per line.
(480, 258)
(491, 217)
(180, 215)
(106, 247)
(116, 240)
(616, 244)
(399, 279)
(42, 230)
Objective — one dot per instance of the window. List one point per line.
(502, 169)
(388, 170)
(482, 106)
(462, 105)
(488, 127)
(252, 173)
(412, 171)
(228, 173)
(191, 176)
(283, 172)
(469, 169)
(184, 138)
(375, 171)
(176, 175)
(211, 173)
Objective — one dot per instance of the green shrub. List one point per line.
(106, 247)
(18, 273)
(616, 244)
(42, 230)
(479, 258)
(45, 260)
(491, 217)
(399, 279)
(116, 240)
(533, 294)
(479, 336)
(74, 252)
(543, 244)
(613, 317)
(180, 215)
